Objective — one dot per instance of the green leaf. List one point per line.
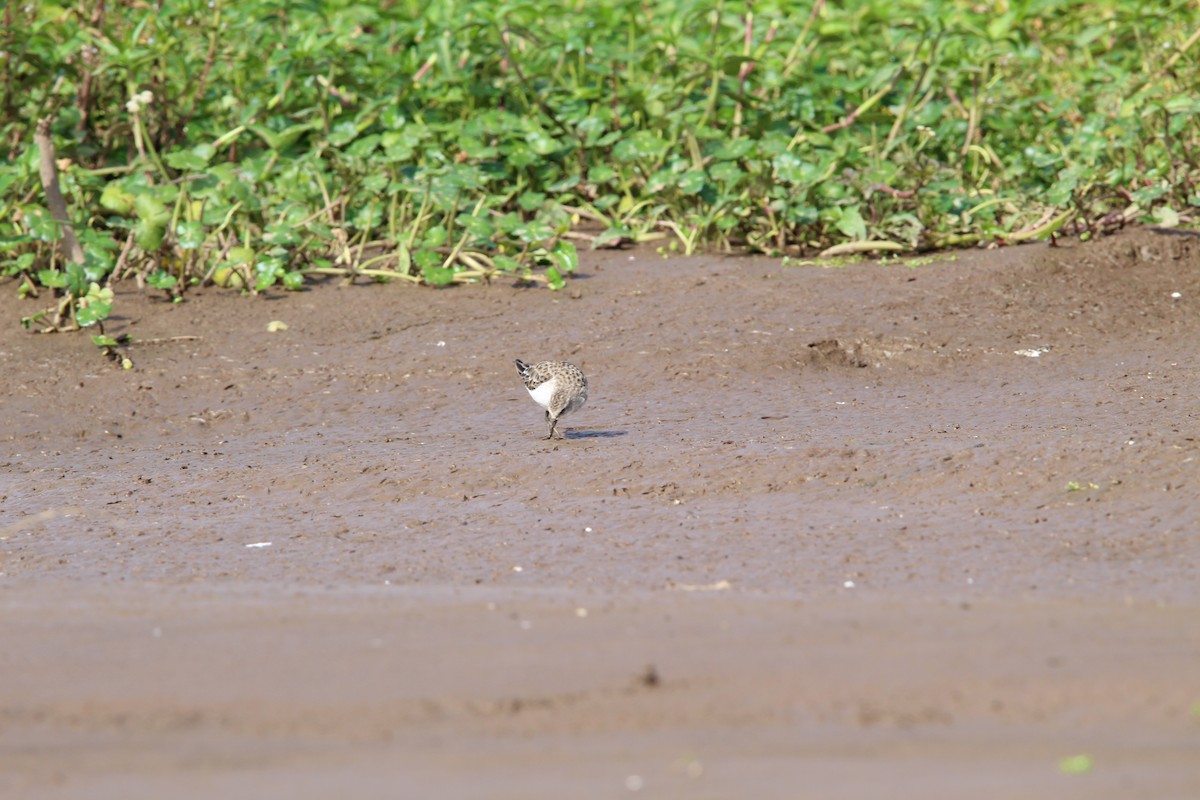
(268, 270)
(149, 234)
(479, 227)
(727, 172)
(40, 224)
(692, 181)
(733, 150)
(435, 236)
(162, 280)
(1166, 217)
(732, 65)
(101, 340)
(1182, 104)
(509, 264)
(116, 199)
(293, 281)
(52, 279)
(601, 173)
(1060, 193)
(77, 280)
(10, 243)
(190, 235)
(426, 258)
(437, 275)
(851, 223)
(541, 143)
(1148, 194)
(566, 184)
(343, 133)
(95, 306)
(565, 255)
(643, 145)
(535, 231)
(614, 234)
(282, 140)
(279, 234)
(1076, 765)
(531, 201)
(187, 160)
(554, 279)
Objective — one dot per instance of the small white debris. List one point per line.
(276, 325)
(587, 530)
(259, 544)
(1032, 352)
(1176, 295)
(719, 586)
(581, 612)
(518, 569)
(441, 344)
(848, 584)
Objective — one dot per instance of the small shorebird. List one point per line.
(556, 386)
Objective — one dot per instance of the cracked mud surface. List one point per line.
(920, 532)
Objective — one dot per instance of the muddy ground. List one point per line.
(875, 531)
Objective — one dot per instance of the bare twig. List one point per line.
(900, 193)
(169, 340)
(48, 168)
(792, 61)
(972, 116)
(119, 269)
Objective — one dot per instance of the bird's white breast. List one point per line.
(542, 394)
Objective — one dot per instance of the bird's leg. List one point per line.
(551, 422)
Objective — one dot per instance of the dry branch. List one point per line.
(48, 168)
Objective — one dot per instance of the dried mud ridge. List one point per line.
(938, 523)
(873, 352)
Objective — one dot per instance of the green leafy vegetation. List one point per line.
(262, 143)
(1076, 765)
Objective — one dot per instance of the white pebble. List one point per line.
(848, 584)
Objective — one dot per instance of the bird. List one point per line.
(558, 387)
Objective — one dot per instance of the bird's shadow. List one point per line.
(593, 434)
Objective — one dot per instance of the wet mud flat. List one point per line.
(917, 530)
